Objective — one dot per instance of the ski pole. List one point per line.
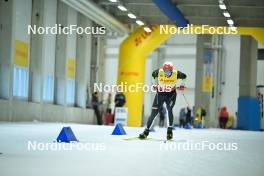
(186, 100)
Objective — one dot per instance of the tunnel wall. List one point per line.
(18, 111)
(43, 74)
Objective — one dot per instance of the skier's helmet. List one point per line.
(167, 68)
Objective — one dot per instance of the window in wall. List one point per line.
(70, 92)
(20, 82)
(48, 90)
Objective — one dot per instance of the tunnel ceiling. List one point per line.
(247, 13)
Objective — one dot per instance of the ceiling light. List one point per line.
(147, 29)
(122, 8)
(113, 0)
(222, 6)
(140, 23)
(233, 28)
(230, 22)
(131, 15)
(226, 14)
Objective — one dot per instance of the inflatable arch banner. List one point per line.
(132, 56)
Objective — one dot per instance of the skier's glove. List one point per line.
(182, 88)
(155, 87)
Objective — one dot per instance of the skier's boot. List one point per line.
(145, 134)
(169, 133)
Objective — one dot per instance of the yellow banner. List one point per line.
(71, 68)
(207, 83)
(21, 53)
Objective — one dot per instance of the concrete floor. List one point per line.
(116, 156)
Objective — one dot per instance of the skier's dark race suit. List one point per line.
(166, 93)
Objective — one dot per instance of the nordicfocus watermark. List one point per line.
(137, 87)
(198, 146)
(192, 29)
(55, 146)
(68, 30)
(124, 87)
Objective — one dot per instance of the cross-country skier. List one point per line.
(166, 93)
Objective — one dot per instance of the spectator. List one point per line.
(182, 117)
(188, 115)
(108, 104)
(199, 116)
(120, 101)
(203, 114)
(223, 117)
(95, 104)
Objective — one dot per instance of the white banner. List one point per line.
(121, 115)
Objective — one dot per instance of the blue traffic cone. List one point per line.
(66, 135)
(199, 126)
(119, 130)
(187, 126)
(176, 125)
(152, 130)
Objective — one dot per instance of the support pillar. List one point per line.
(83, 60)
(6, 25)
(201, 99)
(15, 16)
(101, 63)
(208, 76)
(248, 104)
(65, 57)
(94, 63)
(43, 53)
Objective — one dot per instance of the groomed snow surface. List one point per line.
(108, 155)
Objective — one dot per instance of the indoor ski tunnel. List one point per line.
(131, 87)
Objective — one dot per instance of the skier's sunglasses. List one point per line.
(167, 72)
